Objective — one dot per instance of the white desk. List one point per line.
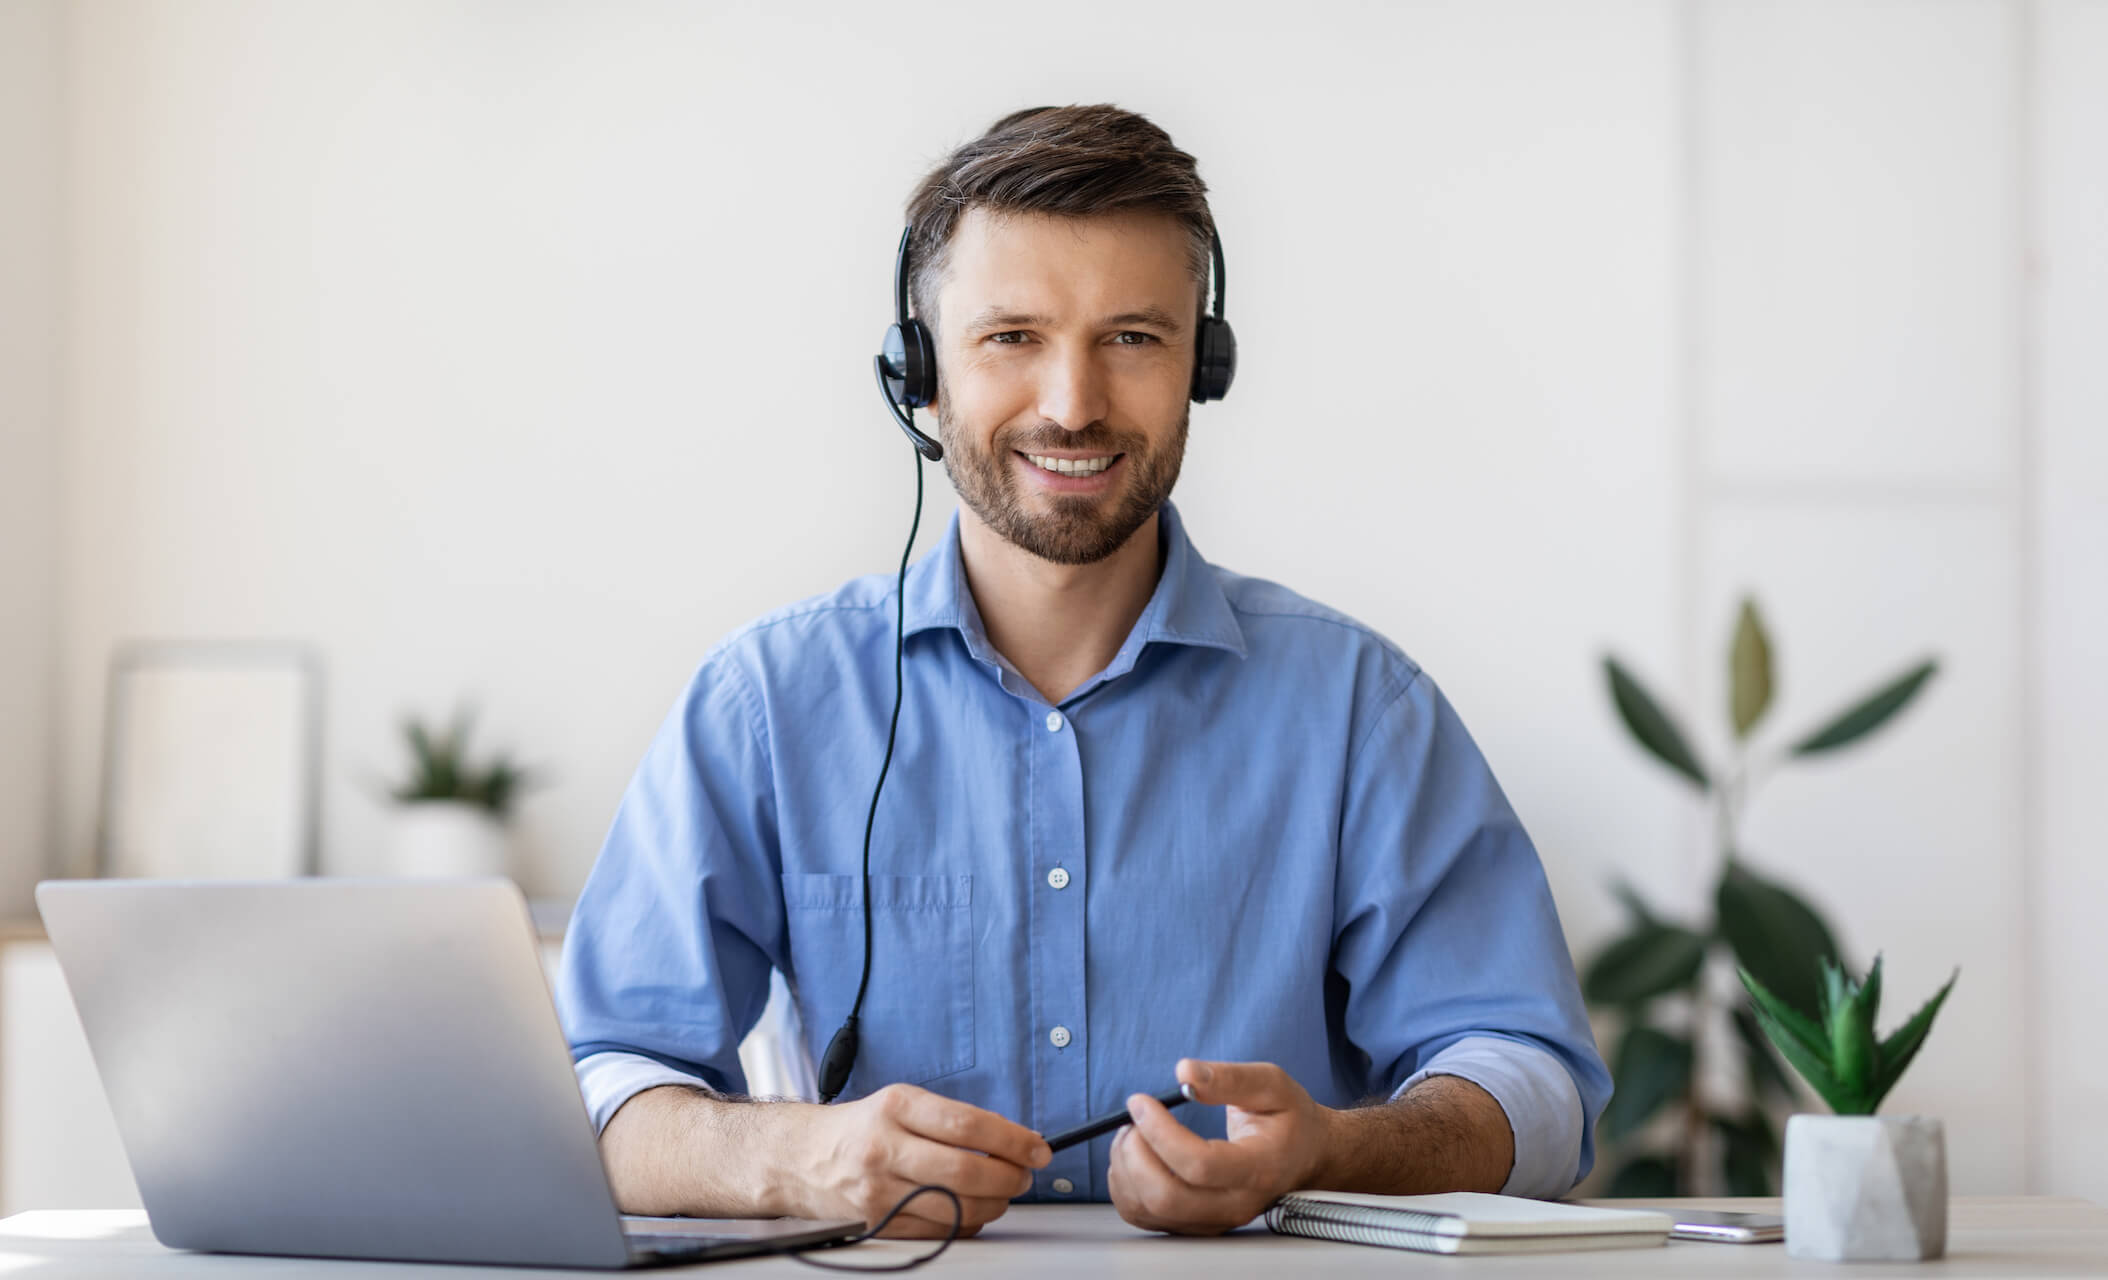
(1988, 1236)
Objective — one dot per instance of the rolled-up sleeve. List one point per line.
(609, 1079)
(1450, 944)
(667, 959)
(1537, 1095)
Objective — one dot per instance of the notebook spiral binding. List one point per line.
(1352, 1224)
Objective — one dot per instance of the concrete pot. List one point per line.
(1866, 1188)
(449, 838)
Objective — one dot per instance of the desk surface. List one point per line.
(1987, 1236)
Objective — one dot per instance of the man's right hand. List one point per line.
(861, 1157)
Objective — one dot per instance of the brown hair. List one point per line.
(1074, 162)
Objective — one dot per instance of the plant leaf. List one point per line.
(430, 776)
(1870, 713)
(1651, 725)
(1749, 669)
(1869, 997)
(1813, 1065)
(1835, 993)
(1749, 1147)
(1625, 893)
(1775, 935)
(1854, 1054)
(1649, 961)
(508, 782)
(420, 745)
(1903, 1044)
(1804, 1030)
(1644, 1178)
(1653, 1068)
(1766, 1074)
(494, 791)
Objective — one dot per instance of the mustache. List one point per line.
(1092, 439)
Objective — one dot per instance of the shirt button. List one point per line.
(1060, 1037)
(1058, 878)
(1053, 722)
(1062, 1186)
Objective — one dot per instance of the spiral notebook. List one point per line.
(1464, 1222)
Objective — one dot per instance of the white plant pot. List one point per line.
(1866, 1188)
(449, 838)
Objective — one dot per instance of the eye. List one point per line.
(1008, 338)
(1133, 338)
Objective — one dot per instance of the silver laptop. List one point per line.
(354, 1069)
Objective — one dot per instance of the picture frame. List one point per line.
(211, 761)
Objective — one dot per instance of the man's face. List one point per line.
(1064, 356)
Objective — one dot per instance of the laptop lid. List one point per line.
(337, 1068)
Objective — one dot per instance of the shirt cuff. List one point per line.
(1542, 1106)
(610, 1079)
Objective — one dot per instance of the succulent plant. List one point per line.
(1840, 1056)
(440, 770)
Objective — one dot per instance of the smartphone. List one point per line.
(1727, 1228)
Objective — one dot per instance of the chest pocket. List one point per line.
(918, 1013)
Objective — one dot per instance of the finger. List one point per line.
(1120, 1185)
(960, 1124)
(968, 1173)
(932, 1209)
(907, 1228)
(974, 1211)
(1117, 1189)
(1251, 1086)
(1170, 1201)
(938, 1208)
(974, 1214)
(1193, 1158)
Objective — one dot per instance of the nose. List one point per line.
(1072, 388)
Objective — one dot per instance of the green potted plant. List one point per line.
(1859, 1187)
(1678, 1124)
(452, 812)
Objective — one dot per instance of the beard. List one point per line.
(1078, 529)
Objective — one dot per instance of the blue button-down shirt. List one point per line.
(1260, 833)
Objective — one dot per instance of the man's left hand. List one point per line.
(1165, 1177)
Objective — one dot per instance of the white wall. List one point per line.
(1856, 291)
(2070, 692)
(521, 352)
(494, 348)
(29, 435)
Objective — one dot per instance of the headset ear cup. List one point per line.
(923, 387)
(911, 364)
(1216, 364)
(921, 383)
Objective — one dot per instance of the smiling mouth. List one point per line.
(1070, 466)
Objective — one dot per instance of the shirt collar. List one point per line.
(1188, 606)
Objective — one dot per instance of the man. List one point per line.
(1145, 816)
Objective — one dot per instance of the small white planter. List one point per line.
(1866, 1188)
(449, 838)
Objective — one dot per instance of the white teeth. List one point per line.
(1070, 466)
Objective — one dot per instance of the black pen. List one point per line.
(1107, 1123)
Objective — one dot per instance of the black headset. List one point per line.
(906, 366)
